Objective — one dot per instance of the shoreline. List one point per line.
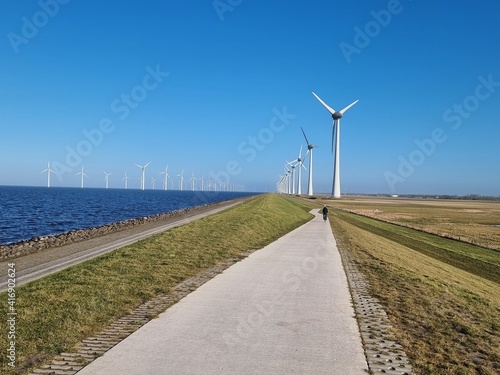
(36, 244)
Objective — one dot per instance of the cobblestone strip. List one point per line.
(383, 354)
(93, 347)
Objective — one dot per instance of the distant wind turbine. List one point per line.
(300, 163)
(336, 116)
(143, 174)
(310, 153)
(165, 179)
(293, 174)
(106, 178)
(181, 180)
(126, 180)
(82, 173)
(192, 179)
(49, 171)
(153, 182)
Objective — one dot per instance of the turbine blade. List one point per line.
(349, 106)
(303, 132)
(330, 109)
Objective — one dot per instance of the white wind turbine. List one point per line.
(153, 182)
(192, 179)
(336, 116)
(287, 176)
(106, 178)
(293, 174)
(143, 174)
(126, 180)
(82, 173)
(165, 179)
(49, 171)
(299, 162)
(310, 153)
(181, 180)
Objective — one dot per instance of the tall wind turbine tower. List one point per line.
(49, 171)
(106, 178)
(293, 174)
(143, 174)
(192, 179)
(165, 179)
(310, 153)
(82, 173)
(181, 180)
(336, 116)
(126, 180)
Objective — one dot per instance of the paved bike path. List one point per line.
(286, 309)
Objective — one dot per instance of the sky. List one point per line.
(222, 88)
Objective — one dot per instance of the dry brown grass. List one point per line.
(443, 304)
(476, 222)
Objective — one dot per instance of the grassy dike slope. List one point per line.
(58, 311)
(445, 313)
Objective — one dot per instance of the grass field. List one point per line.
(477, 222)
(442, 296)
(58, 311)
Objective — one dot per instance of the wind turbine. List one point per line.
(300, 162)
(143, 175)
(181, 181)
(153, 182)
(126, 180)
(106, 178)
(293, 174)
(48, 170)
(165, 180)
(336, 116)
(192, 181)
(83, 174)
(287, 176)
(310, 152)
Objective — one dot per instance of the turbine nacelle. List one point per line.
(337, 115)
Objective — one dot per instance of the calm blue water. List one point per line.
(27, 212)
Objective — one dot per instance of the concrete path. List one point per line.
(286, 309)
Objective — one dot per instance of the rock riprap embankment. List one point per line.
(45, 242)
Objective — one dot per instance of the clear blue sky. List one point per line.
(192, 84)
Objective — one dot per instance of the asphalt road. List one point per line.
(43, 263)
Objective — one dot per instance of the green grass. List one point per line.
(445, 315)
(59, 310)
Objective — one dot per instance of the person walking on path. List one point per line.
(325, 212)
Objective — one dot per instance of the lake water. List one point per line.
(27, 212)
